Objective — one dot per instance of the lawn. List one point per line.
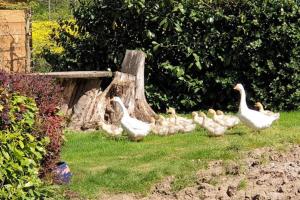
(99, 163)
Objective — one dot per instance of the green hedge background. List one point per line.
(196, 50)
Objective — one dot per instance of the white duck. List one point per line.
(252, 118)
(266, 112)
(135, 128)
(212, 127)
(225, 120)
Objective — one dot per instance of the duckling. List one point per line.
(187, 127)
(172, 129)
(173, 116)
(220, 112)
(162, 120)
(212, 127)
(161, 128)
(154, 127)
(266, 112)
(177, 119)
(112, 129)
(225, 120)
(197, 119)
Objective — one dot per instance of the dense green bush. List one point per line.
(21, 151)
(197, 50)
(47, 95)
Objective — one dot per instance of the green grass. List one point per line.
(242, 184)
(102, 164)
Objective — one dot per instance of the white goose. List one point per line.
(252, 118)
(266, 112)
(135, 128)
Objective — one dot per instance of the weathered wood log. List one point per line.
(77, 74)
(88, 106)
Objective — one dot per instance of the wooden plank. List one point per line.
(12, 16)
(77, 74)
(12, 28)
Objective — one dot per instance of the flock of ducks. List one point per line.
(216, 125)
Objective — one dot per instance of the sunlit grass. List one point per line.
(104, 164)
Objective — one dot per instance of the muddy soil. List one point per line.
(263, 174)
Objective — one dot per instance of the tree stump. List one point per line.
(89, 107)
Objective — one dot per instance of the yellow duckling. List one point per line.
(220, 112)
(187, 127)
(225, 120)
(266, 112)
(161, 128)
(177, 119)
(197, 119)
(213, 128)
(112, 130)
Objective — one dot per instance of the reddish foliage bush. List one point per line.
(47, 95)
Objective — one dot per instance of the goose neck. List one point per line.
(123, 109)
(243, 104)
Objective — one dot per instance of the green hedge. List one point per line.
(196, 50)
(20, 150)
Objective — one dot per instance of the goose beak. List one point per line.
(235, 87)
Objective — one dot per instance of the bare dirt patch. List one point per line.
(264, 174)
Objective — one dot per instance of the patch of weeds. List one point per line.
(264, 159)
(214, 181)
(242, 184)
(234, 147)
(183, 181)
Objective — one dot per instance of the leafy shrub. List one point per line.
(47, 95)
(58, 9)
(20, 150)
(40, 39)
(196, 50)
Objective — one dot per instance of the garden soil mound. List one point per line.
(264, 174)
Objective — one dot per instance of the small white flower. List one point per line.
(211, 20)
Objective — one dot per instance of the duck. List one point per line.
(252, 118)
(225, 120)
(266, 112)
(136, 129)
(197, 119)
(213, 128)
(112, 130)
